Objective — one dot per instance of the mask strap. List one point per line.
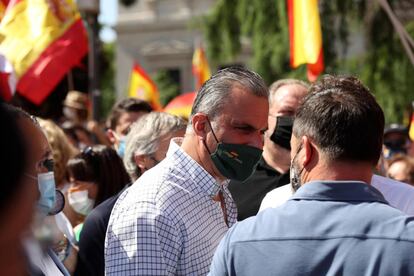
(204, 142)
(30, 176)
(212, 131)
(297, 152)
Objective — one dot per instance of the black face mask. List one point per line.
(283, 131)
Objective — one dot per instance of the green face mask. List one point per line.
(235, 161)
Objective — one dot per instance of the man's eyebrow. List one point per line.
(247, 126)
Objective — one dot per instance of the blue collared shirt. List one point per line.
(325, 228)
(167, 222)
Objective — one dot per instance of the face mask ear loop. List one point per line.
(212, 131)
(297, 152)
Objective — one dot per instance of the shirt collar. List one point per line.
(204, 182)
(338, 191)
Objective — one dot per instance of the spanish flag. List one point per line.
(201, 70)
(181, 105)
(142, 87)
(3, 6)
(411, 130)
(305, 36)
(42, 40)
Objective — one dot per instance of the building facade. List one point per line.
(158, 34)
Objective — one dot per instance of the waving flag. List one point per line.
(411, 130)
(305, 36)
(142, 87)
(3, 6)
(7, 79)
(181, 105)
(201, 70)
(42, 40)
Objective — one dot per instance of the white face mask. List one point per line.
(80, 202)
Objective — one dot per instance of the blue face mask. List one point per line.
(47, 187)
(121, 147)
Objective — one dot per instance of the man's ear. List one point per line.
(200, 125)
(111, 136)
(139, 160)
(309, 151)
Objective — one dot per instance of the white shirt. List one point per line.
(399, 195)
(167, 222)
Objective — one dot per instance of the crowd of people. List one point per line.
(290, 179)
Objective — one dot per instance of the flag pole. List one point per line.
(91, 10)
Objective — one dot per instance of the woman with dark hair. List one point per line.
(95, 175)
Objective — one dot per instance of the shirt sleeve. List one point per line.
(142, 241)
(221, 260)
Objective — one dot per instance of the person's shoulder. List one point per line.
(381, 182)
(276, 197)
(399, 195)
(102, 211)
(256, 227)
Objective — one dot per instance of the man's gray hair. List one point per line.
(215, 92)
(282, 82)
(145, 135)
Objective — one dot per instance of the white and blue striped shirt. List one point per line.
(167, 222)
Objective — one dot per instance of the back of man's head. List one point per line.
(216, 91)
(343, 118)
(126, 105)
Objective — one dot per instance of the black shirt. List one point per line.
(92, 239)
(249, 194)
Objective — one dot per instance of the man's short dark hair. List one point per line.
(126, 105)
(343, 118)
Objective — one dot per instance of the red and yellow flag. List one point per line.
(3, 6)
(42, 40)
(201, 70)
(411, 130)
(181, 105)
(142, 87)
(305, 36)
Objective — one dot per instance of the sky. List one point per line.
(108, 17)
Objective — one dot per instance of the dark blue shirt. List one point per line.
(92, 239)
(325, 228)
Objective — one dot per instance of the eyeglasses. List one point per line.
(49, 164)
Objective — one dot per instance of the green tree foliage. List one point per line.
(383, 66)
(107, 79)
(167, 87)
